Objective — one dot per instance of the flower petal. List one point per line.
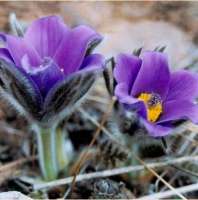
(46, 75)
(183, 85)
(4, 53)
(46, 34)
(93, 61)
(121, 91)
(126, 69)
(2, 37)
(179, 109)
(130, 103)
(73, 48)
(153, 76)
(156, 130)
(18, 48)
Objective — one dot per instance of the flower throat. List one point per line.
(153, 105)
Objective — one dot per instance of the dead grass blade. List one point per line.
(9, 169)
(170, 193)
(112, 172)
(159, 177)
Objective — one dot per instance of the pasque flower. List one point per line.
(44, 73)
(51, 67)
(146, 85)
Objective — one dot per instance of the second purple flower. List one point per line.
(145, 85)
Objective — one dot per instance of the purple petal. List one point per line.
(4, 53)
(156, 130)
(126, 69)
(73, 48)
(46, 34)
(93, 61)
(153, 76)
(18, 48)
(179, 109)
(121, 92)
(2, 37)
(183, 85)
(46, 75)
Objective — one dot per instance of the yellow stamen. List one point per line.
(153, 105)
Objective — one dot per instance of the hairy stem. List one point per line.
(46, 141)
(51, 151)
(62, 158)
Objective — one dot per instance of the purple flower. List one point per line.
(145, 84)
(51, 66)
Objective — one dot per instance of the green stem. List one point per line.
(62, 157)
(47, 153)
(52, 155)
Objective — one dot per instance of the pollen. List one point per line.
(153, 105)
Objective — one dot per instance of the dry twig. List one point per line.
(112, 172)
(169, 193)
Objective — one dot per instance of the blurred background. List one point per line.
(125, 25)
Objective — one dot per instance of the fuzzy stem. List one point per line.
(52, 155)
(46, 139)
(62, 159)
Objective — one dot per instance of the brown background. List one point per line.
(125, 25)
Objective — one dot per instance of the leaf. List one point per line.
(160, 48)
(107, 74)
(65, 94)
(22, 88)
(137, 52)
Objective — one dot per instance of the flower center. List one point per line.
(153, 105)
